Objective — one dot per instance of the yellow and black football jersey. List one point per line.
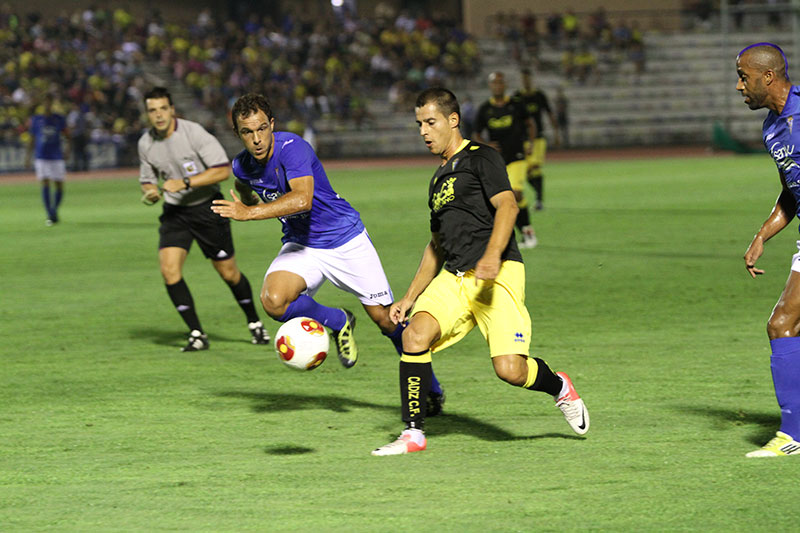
(535, 103)
(506, 123)
(461, 211)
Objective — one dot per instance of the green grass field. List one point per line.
(637, 290)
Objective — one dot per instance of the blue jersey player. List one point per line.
(279, 176)
(764, 83)
(46, 128)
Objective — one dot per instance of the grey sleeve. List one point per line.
(208, 148)
(146, 172)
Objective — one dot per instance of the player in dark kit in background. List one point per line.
(323, 236)
(536, 103)
(46, 129)
(183, 160)
(764, 82)
(471, 274)
(509, 124)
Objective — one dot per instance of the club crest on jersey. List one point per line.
(190, 168)
(445, 195)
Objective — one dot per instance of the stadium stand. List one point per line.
(348, 83)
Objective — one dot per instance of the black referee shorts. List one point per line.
(181, 225)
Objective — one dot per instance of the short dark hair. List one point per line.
(158, 92)
(249, 104)
(444, 99)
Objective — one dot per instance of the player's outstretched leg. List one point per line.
(346, 348)
(780, 444)
(540, 377)
(572, 406)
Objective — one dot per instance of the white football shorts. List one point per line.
(49, 169)
(353, 267)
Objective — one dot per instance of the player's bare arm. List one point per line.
(298, 200)
(781, 215)
(246, 194)
(429, 266)
(207, 177)
(488, 265)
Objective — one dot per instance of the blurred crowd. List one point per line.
(586, 44)
(314, 67)
(90, 61)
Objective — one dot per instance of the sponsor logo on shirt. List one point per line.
(782, 156)
(500, 123)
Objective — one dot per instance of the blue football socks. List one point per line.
(785, 363)
(59, 196)
(397, 338)
(46, 201)
(305, 305)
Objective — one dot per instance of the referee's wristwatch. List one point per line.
(187, 182)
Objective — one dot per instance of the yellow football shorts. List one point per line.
(497, 307)
(517, 172)
(536, 157)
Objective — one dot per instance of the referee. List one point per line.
(180, 158)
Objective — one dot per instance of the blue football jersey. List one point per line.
(331, 222)
(46, 131)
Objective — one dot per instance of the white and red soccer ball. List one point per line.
(302, 343)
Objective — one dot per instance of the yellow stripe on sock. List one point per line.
(533, 371)
(417, 358)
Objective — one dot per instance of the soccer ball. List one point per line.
(302, 343)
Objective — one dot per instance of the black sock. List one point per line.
(546, 380)
(538, 186)
(244, 296)
(184, 304)
(415, 383)
(523, 218)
